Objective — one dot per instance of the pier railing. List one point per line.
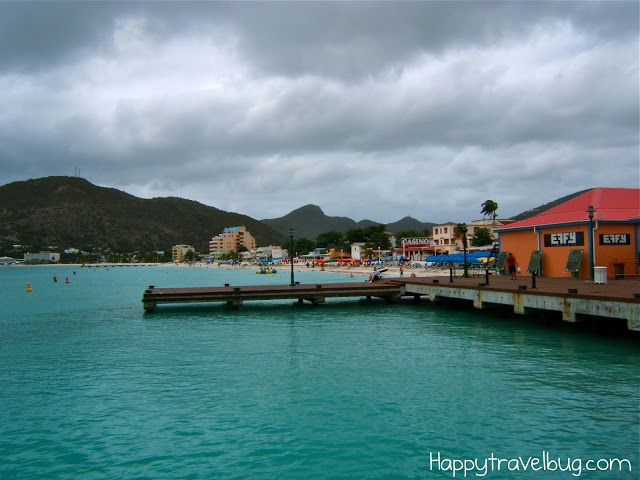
(619, 268)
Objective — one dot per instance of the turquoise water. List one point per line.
(91, 388)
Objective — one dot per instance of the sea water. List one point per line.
(93, 388)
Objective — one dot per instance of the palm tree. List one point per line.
(489, 208)
(461, 232)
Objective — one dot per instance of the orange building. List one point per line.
(230, 240)
(565, 228)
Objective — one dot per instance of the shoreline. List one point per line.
(393, 271)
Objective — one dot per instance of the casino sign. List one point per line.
(416, 242)
(417, 248)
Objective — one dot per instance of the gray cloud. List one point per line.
(369, 109)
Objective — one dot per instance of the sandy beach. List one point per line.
(362, 270)
(393, 271)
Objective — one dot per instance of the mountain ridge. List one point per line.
(73, 212)
(309, 221)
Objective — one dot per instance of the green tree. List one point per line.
(355, 235)
(301, 246)
(490, 209)
(481, 237)
(373, 236)
(189, 256)
(412, 234)
(332, 239)
(407, 234)
(379, 239)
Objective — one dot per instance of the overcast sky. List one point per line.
(373, 110)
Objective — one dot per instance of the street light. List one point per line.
(590, 210)
(292, 284)
(462, 229)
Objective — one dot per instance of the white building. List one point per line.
(270, 253)
(42, 257)
(357, 251)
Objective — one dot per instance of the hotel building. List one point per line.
(179, 252)
(230, 240)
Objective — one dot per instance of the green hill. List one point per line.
(547, 206)
(409, 223)
(72, 212)
(310, 221)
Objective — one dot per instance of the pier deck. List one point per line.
(572, 297)
(236, 295)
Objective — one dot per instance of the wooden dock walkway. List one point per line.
(572, 297)
(236, 295)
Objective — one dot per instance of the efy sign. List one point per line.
(566, 239)
(615, 239)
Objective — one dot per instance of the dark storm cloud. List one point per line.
(223, 102)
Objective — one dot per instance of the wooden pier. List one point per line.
(573, 298)
(236, 295)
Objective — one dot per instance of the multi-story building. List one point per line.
(179, 252)
(487, 223)
(42, 257)
(230, 240)
(444, 240)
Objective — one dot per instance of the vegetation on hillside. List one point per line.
(544, 207)
(71, 212)
(310, 221)
(55, 213)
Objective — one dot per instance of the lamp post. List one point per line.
(462, 229)
(590, 210)
(292, 284)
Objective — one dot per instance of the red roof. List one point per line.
(610, 204)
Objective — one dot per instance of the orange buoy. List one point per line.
(29, 289)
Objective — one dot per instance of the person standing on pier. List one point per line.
(512, 263)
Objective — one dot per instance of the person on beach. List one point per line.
(512, 263)
(401, 271)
